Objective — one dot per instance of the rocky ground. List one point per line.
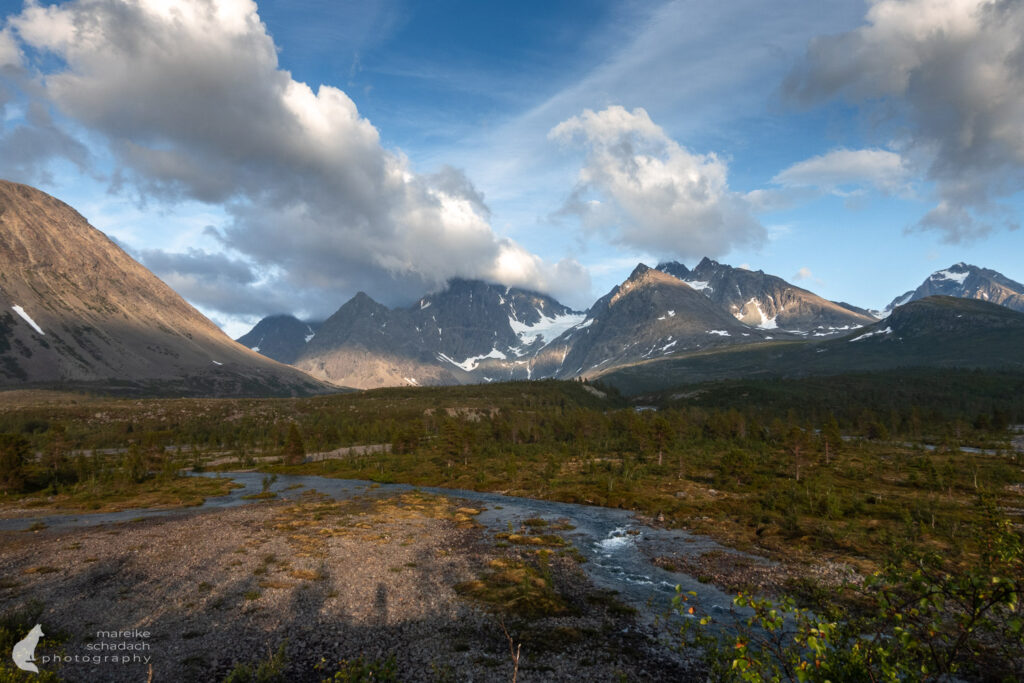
(404, 578)
(735, 571)
(738, 572)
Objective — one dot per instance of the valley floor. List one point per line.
(341, 584)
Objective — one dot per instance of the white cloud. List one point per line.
(848, 168)
(648, 192)
(805, 274)
(10, 54)
(193, 103)
(951, 71)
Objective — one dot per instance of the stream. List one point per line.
(612, 541)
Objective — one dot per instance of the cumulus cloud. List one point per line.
(193, 103)
(952, 71)
(842, 169)
(648, 192)
(10, 53)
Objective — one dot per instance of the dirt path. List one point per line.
(337, 581)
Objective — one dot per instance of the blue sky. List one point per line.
(850, 147)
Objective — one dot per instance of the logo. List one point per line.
(24, 652)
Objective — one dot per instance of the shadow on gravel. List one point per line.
(216, 591)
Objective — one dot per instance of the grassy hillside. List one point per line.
(934, 396)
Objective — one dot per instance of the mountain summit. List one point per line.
(650, 315)
(766, 301)
(76, 310)
(967, 282)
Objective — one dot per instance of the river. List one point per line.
(616, 545)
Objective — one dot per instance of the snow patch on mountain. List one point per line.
(766, 322)
(950, 275)
(887, 330)
(700, 286)
(21, 311)
(546, 329)
(470, 364)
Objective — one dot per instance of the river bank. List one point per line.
(371, 577)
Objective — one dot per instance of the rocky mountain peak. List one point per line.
(638, 272)
(967, 281)
(644, 277)
(707, 264)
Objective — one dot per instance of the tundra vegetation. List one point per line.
(867, 470)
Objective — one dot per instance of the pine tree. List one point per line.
(13, 455)
(796, 443)
(294, 449)
(831, 436)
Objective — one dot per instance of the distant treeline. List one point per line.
(906, 399)
(958, 405)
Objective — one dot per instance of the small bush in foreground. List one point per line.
(914, 620)
(360, 670)
(269, 670)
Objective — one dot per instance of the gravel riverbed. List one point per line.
(372, 578)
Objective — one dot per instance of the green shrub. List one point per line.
(361, 670)
(269, 670)
(914, 620)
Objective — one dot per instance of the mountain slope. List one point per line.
(967, 282)
(768, 302)
(77, 310)
(651, 314)
(936, 331)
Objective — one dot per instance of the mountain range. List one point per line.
(76, 311)
(472, 331)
